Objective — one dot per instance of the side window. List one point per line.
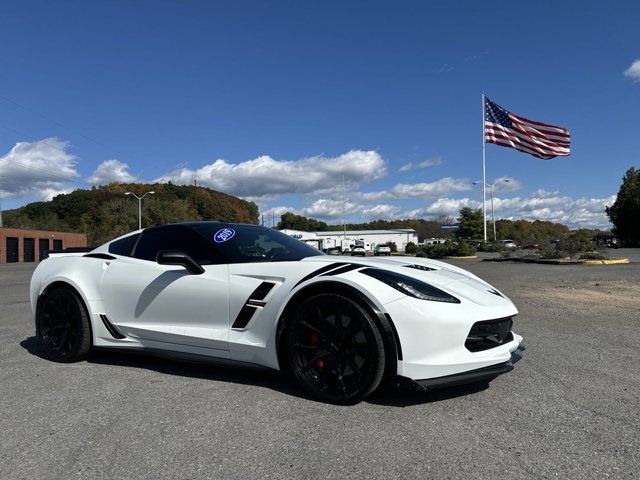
(124, 246)
(182, 239)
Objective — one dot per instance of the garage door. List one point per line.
(43, 248)
(57, 245)
(12, 249)
(29, 249)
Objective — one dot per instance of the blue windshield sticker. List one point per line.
(224, 235)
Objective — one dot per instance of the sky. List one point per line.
(277, 102)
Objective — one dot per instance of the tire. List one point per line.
(334, 349)
(63, 325)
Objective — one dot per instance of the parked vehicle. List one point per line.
(382, 249)
(608, 241)
(508, 244)
(531, 246)
(250, 295)
(358, 250)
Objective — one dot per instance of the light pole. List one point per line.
(493, 217)
(140, 206)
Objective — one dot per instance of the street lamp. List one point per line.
(140, 206)
(493, 217)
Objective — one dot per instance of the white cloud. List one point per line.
(506, 184)
(541, 205)
(444, 186)
(633, 72)
(111, 171)
(39, 169)
(47, 194)
(431, 162)
(330, 209)
(264, 177)
(382, 211)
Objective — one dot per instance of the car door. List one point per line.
(165, 305)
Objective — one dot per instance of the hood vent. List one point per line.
(421, 267)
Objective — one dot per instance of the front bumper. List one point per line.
(485, 374)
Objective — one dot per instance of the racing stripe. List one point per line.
(320, 271)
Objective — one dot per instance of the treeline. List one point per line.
(105, 212)
(470, 227)
(425, 228)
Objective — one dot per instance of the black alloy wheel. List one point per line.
(63, 325)
(335, 349)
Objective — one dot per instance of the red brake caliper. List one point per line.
(314, 341)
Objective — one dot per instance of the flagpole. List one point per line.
(484, 177)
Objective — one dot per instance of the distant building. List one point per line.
(18, 245)
(334, 239)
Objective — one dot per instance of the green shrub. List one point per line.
(411, 248)
(447, 249)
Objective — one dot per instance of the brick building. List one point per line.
(18, 245)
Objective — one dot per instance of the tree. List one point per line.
(470, 223)
(625, 211)
(410, 247)
(298, 222)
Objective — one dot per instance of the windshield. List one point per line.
(252, 243)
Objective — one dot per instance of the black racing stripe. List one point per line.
(320, 271)
(262, 291)
(244, 316)
(345, 269)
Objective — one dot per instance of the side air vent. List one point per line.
(245, 315)
(113, 331)
(262, 291)
(255, 300)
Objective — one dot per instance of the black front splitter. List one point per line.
(485, 374)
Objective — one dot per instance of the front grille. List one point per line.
(489, 334)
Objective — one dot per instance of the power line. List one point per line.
(31, 135)
(40, 170)
(60, 124)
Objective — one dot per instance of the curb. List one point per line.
(613, 261)
(469, 257)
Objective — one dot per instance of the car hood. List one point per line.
(457, 281)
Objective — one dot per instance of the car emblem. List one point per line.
(224, 235)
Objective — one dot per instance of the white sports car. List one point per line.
(251, 295)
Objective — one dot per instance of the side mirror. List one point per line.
(174, 257)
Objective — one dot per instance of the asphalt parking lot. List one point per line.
(570, 409)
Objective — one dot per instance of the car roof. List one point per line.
(198, 224)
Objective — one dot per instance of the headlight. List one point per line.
(410, 286)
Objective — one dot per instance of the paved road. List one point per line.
(571, 409)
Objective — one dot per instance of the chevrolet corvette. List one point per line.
(249, 295)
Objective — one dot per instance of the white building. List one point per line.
(335, 239)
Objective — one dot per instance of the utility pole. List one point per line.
(344, 209)
(195, 197)
(493, 216)
(140, 205)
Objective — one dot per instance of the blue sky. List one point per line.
(275, 101)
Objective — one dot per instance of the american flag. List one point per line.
(539, 139)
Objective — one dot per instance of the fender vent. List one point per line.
(255, 300)
(113, 331)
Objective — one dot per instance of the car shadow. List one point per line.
(390, 396)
